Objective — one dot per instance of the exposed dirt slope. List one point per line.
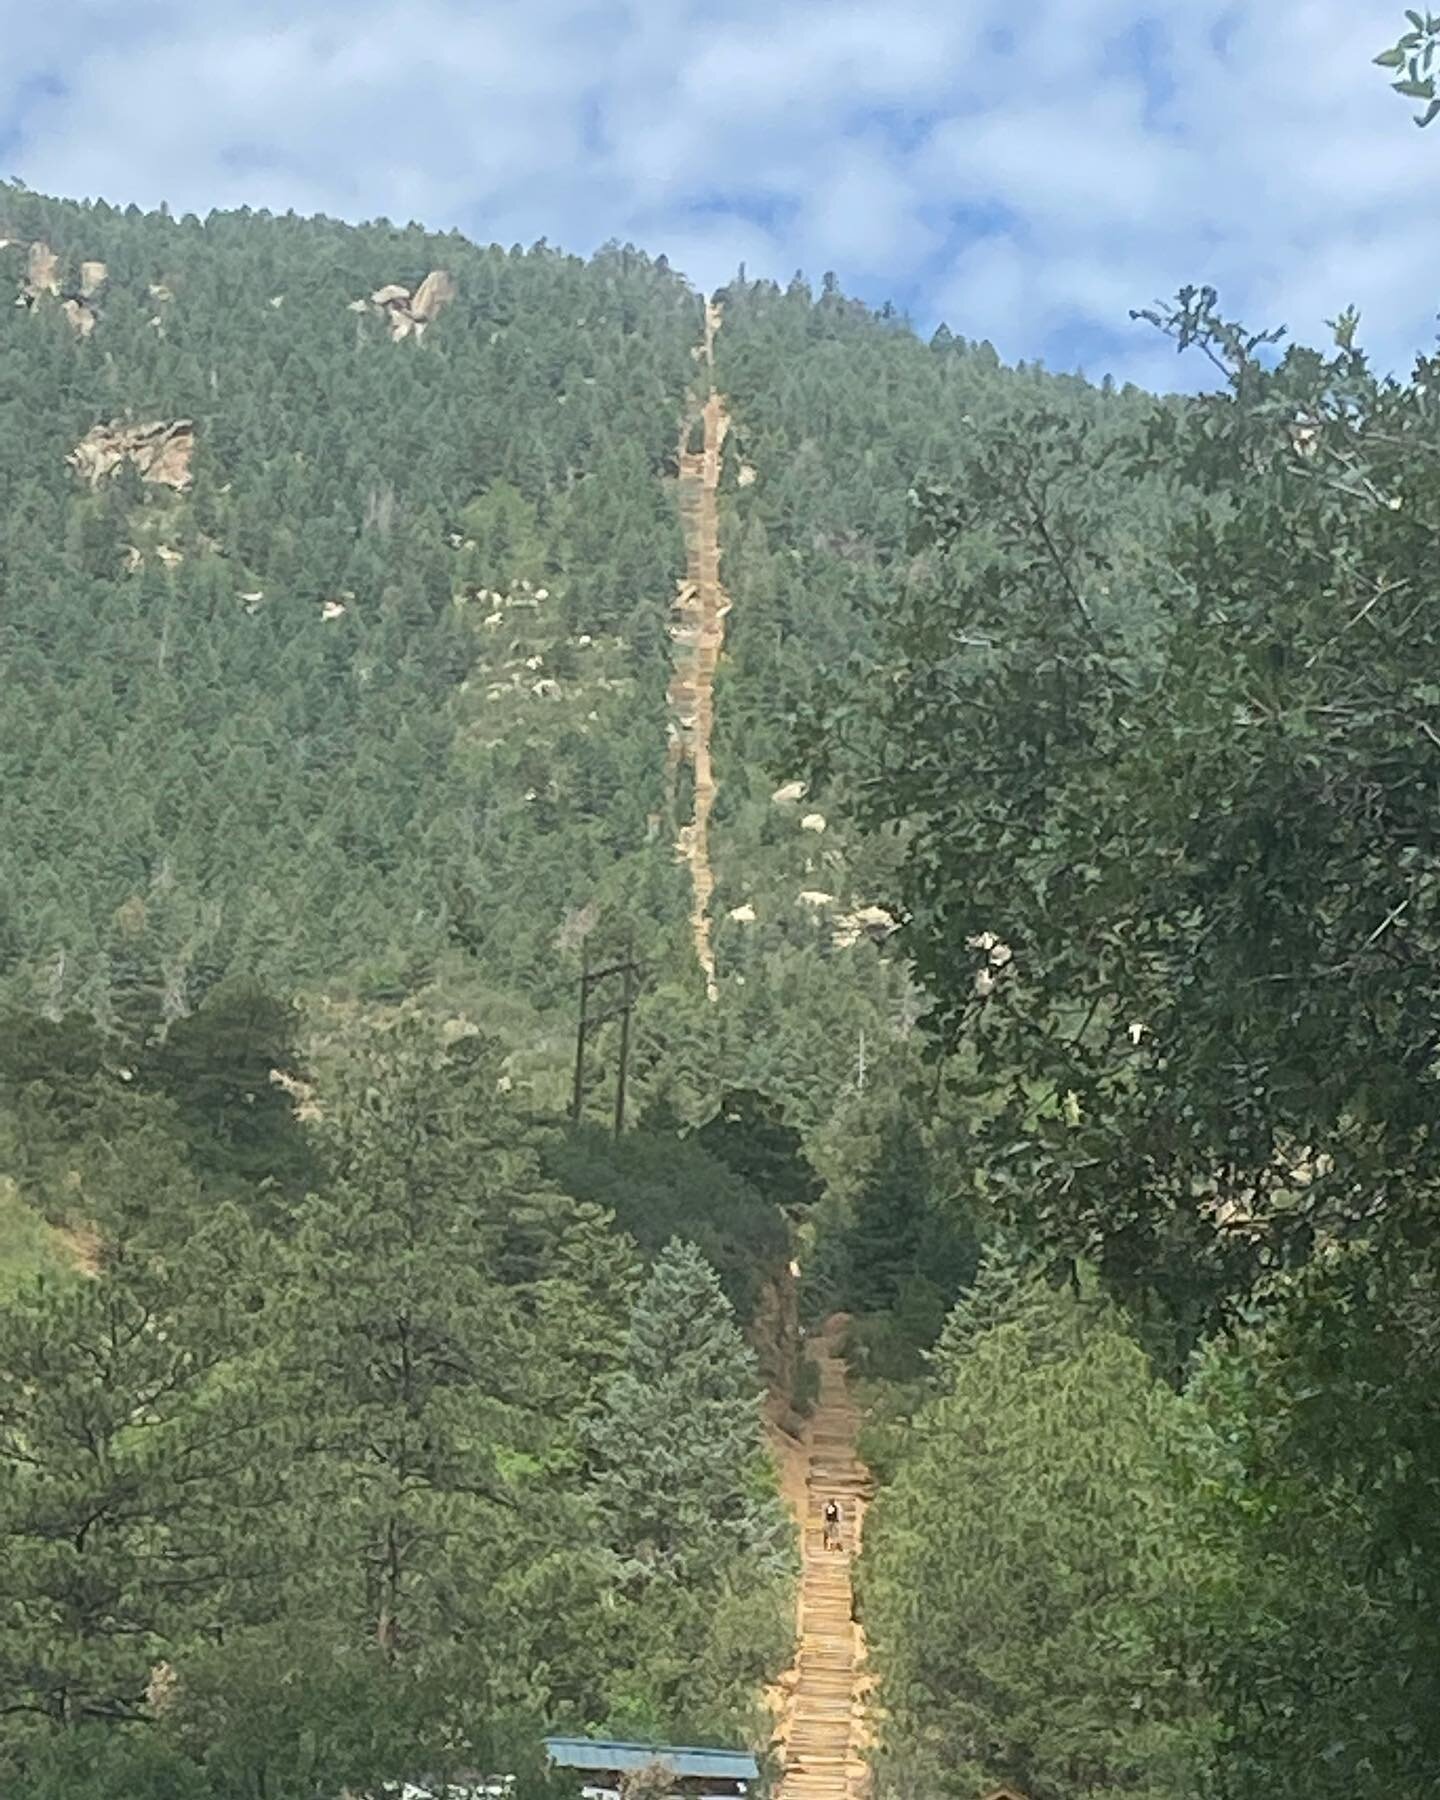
(699, 634)
(822, 1726)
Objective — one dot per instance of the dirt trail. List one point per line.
(699, 634)
(822, 1728)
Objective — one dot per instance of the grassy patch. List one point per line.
(28, 1246)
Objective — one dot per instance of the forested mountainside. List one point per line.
(372, 608)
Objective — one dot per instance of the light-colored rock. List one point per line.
(93, 276)
(171, 558)
(158, 291)
(307, 1107)
(358, 306)
(814, 897)
(813, 822)
(277, 301)
(746, 476)
(789, 793)
(332, 609)
(871, 922)
(81, 316)
(433, 295)
(546, 688)
(160, 450)
(407, 314)
(743, 915)
(42, 271)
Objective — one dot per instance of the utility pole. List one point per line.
(626, 1006)
(579, 1087)
(589, 1020)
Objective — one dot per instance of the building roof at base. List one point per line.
(685, 1760)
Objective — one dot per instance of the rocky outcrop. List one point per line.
(161, 451)
(432, 296)
(42, 279)
(42, 274)
(408, 314)
(872, 922)
(81, 316)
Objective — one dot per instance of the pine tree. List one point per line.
(134, 1476)
(440, 1498)
(682, 1473)
(1023, 1585)
(886, 1231)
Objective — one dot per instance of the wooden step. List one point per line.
(821, 1762)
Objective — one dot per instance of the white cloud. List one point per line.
(1265, 154)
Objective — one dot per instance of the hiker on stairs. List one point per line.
(832, 1525)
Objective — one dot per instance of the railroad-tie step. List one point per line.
(821, 1761)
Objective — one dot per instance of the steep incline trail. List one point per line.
(699, 634)
(822, 1732)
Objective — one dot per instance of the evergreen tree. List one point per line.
(218, 1067)
(887, 1230)
(138, 1457)
(682, 1475)
(749, 1135)
(1021, 1586)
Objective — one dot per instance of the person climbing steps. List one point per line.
(832, 1525)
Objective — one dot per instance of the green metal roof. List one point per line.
(686, 1761)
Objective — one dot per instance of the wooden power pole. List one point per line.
(631, 973)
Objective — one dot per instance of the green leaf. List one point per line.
(1415, 19)
(1416, 90)
(1390, 59)
(1430, 112)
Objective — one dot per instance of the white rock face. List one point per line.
(813, 822)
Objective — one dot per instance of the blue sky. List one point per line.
(1026, 170)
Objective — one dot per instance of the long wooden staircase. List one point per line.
(822, 1741)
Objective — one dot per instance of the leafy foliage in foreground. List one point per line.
(1172, 877)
